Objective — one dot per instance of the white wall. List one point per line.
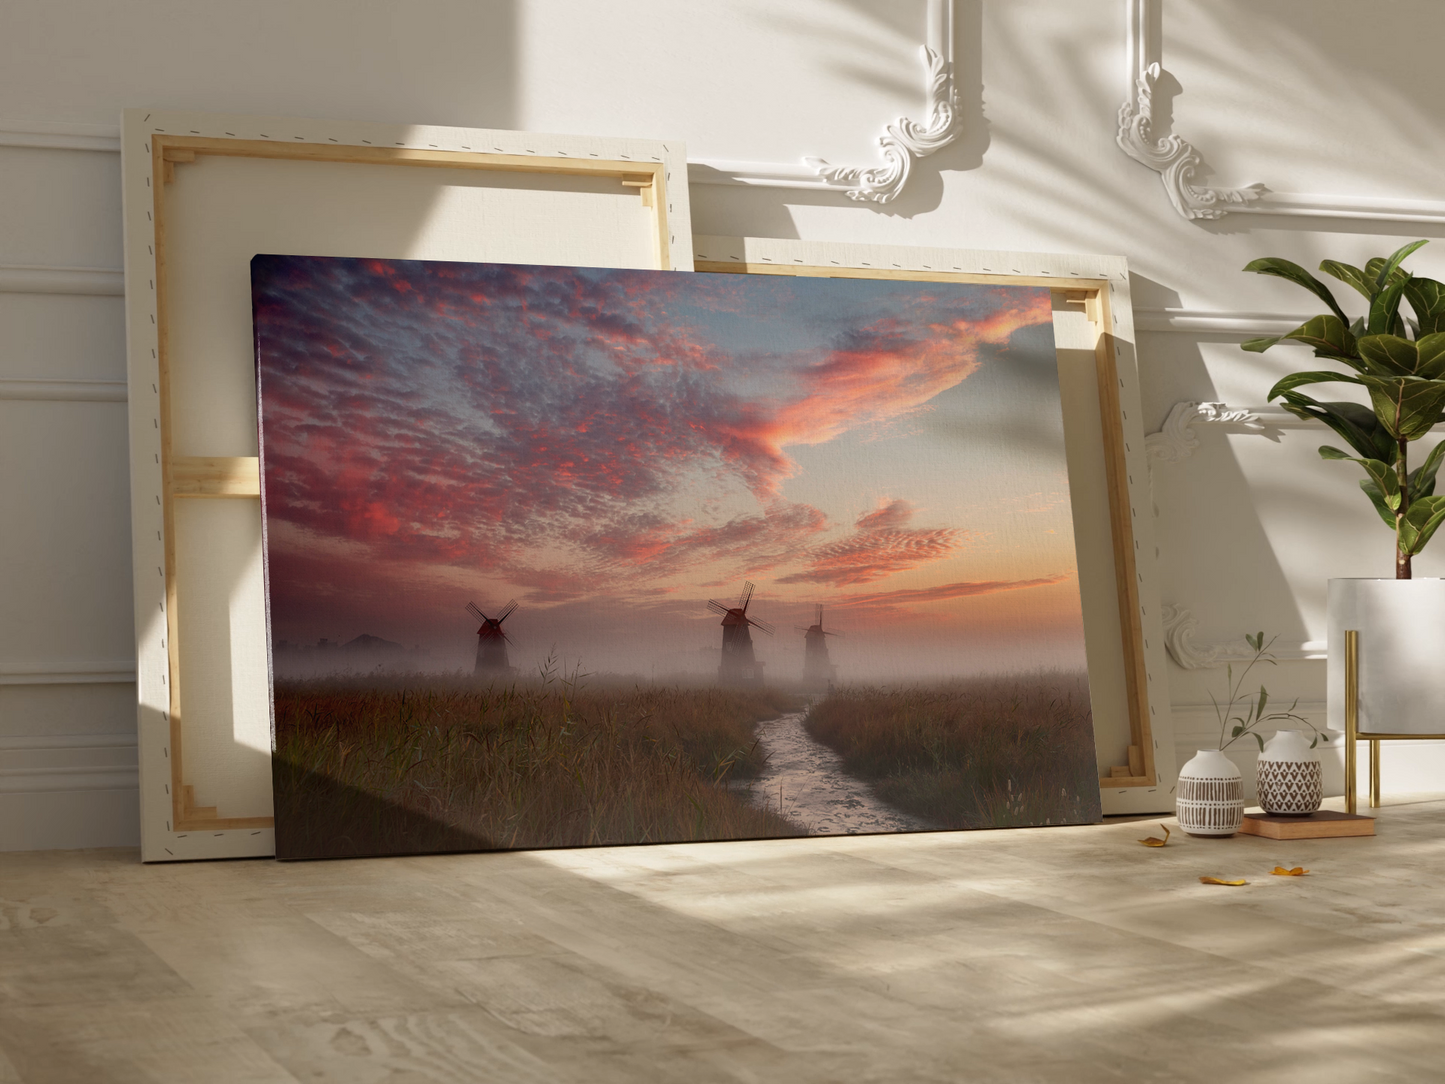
(1307, 96)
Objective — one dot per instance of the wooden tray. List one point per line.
(1326, 824)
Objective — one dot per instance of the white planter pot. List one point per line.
(1210, 798)
(1401, 625)
(1290, 778)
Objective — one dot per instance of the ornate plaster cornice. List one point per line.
(1177, 161)
(1181, 627)
(902, 141)
(1171, 156)
(1176, 439)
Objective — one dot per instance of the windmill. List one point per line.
(491, 640)
(818, 670)
(739, 666)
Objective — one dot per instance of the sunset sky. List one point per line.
(613, 448)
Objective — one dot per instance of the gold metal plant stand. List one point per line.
(1352, 728)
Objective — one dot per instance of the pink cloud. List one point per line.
(469, 414)
(883, 544)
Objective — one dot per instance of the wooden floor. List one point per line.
(1055, 954)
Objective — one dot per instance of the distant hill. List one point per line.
(367, 642)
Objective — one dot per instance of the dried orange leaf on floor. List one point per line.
(1280, 871)
(1217, 881)
(1155, 841)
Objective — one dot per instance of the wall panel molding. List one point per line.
(59, 136)
(1224, 323)
(68, 762)
(64, 391)
(87, 281)
(1171, 156)
(1178, 163)
(70, 673)
(901, 143)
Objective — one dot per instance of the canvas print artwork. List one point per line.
(572, 556)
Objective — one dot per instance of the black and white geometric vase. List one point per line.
(1210, 798)
(1291, 781)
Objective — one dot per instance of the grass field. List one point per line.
(984, 752)
(412, 763)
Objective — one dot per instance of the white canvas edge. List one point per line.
(1116, 800)
(159, 842)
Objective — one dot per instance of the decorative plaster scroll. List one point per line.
(901, 142)
(1176, 160)
(1181, 626)
(1171, 156)
(1176, 439)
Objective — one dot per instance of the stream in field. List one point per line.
(805, 781)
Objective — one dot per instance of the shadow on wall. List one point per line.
(766, 210)
(1209, 497)
(1392, 71)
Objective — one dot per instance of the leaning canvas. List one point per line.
(573, 556)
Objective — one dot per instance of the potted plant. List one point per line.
(1399, 361)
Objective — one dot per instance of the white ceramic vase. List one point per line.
(1210, 798)
(1290, 779)
(1401, 626)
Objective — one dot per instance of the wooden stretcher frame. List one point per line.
(154, 145)
(1099, 286)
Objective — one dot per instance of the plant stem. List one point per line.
(1402, 472)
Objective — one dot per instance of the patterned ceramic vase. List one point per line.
(1211, 795)
(1291, 781)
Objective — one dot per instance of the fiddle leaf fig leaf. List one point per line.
(1295, 380)
(1354, 422)
(1351, 276)
(1381, 474)
(1387, 268)
(1378, 500)
(1328, 335)
(1427, 298)
(1288, 269)
(1408, 407)
(1420, 522)
(1431, 351)
(1422, 478)
(1259, 346)
(1389, 355)
(1385, 310)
